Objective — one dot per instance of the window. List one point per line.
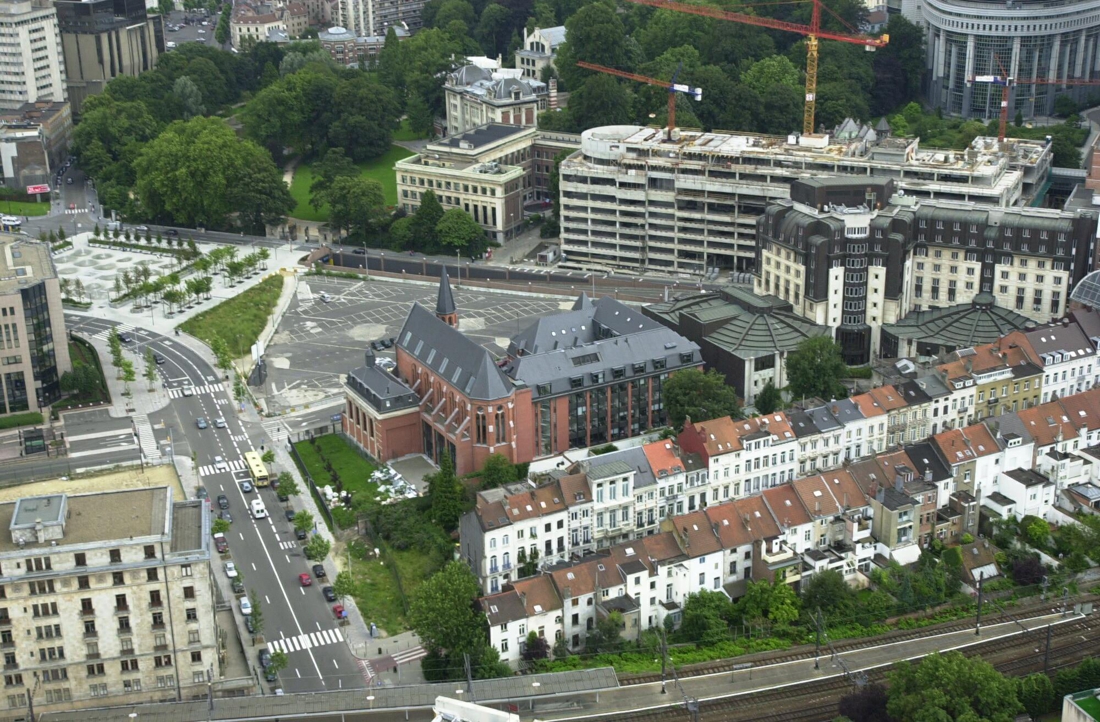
(116, 556)
(192, 615)
(188, 592)
(185, 570)
(151, 575)
(83, 583)
(129, 665)
(118, 579)
(150, 551)
(80, 560)
(196, 657)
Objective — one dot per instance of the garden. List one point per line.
(379, 169)
(85, 384)
(239, 320)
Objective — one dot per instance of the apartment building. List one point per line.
(633, 200)
(974, 456)
(858, 257)
(1006, 377)
(741, 457)
(347, 48)
(103, 39)
(34, 69)
(368, 18)
(540, 49)
(34, 142)
(108, 600)
(531, 605)
(1067, 356)
(32, 324)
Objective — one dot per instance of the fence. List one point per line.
(317, 495)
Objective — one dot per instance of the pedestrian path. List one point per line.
(210, 469)
(105, 333)
(196, 390)
(148, 441)
(306, 641)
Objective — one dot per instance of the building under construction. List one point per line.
(634, 200)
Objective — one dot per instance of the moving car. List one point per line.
(125, 338)
(158, 359)
(319, 571)
(246, 606)
(219, 464)
(246, 487)
(329, 594)
(259, 511)
(226, 515)
(360, 251)
(188, 391)
(141, 228)
(219, 422)
(223, 501)
(305, 580)
(230, 570)
(201, 422)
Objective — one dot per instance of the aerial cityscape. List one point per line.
(500, 361)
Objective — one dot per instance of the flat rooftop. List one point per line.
(47, 509)
(103, 517)
(23, 263)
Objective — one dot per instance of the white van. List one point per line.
(258, 509)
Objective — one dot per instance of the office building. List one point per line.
(540, 49)
(1049, 42)
(32, 327)
(857, 256)
(30, 49)
(489, 172)
(34, 142)
(346, 48)
(108, 600)
(103, 39)
(634, 201)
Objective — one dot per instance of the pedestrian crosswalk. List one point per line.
(410, 655)
(274, 428)
(105, 333)
(306, 641)
(367, 670)
(74, 211)
(284, 545)
(240, 437)
(195, 390)
(210, 469)
(147, 439)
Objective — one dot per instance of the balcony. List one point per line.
(122, 609)
(494, 569)
(157, 626)
(11, 665)
(160, 647)
(506, 566)
(158, 604)
(5, 622)
(87, 612)
(92, 634)
(7, 645)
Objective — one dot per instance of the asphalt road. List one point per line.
(265, 550)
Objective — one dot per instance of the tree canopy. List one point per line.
(950, 686)
(701, 396)
(815, 369)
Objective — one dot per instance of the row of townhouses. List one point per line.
(639, 530)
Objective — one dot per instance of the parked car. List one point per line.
(202, 493)
(226, 515)
(301, 534)
(238, 586)
(201, 422)
(221, 544)
(271, 676)
(223, 501)
(246, 606)
(329, 594)
(387, 343)
(230, 570)
(319, 571)
(289, 514)
(282, 497)
(250, 625)
(265, 658)
(305, 580)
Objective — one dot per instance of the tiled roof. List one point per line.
(663, 458)
(717, 436)
(696, 536)
(786, 506)
(814, 493)
(503, 608)
(537, 594)
(887, 397)
(728, 525)
(757, 517)
(958, 446)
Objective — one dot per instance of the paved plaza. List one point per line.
(319, 341)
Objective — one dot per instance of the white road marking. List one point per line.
(298, 673)
(335, 665)
(266, 599)
(318, 626)
(253, 566)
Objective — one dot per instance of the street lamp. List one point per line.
(370, 698)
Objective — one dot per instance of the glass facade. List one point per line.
(597, 416)
(17, 391)
(40, 343)
(546, 426)
(578, 420)
(620, 411)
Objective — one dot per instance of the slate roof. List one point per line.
(478, 137)
(445, 301)
(595, 344)
(555, 35)
(452, 356)
(382, 391)
(503, 608)
(978, 322)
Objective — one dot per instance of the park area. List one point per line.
(239, 320)
(410, 547)
(379, 169)
(24, 208)
(85, 384)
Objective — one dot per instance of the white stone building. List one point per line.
(30, 45)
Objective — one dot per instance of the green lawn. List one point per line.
(376, 592)
(23, 208)
(379, 169)
(1090, 705)
(405, 133)
(82, 354)
(354, 470)
(241, 319)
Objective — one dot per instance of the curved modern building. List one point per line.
(1051, 41)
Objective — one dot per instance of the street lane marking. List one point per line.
(266, 599)
(335, 665)
(253, 566)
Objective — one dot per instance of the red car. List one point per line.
(220, 543)
(305, 580)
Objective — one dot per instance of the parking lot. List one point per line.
(318, 342)
(189, 33)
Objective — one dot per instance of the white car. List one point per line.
(219, 422)
(188, 391)
(246, 606)
(230, 570)
(202, 32)
(259, 511)
(220, 465)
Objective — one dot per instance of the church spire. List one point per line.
(445, 308)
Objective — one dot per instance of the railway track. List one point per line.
(811, 701)
(1035, 608)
